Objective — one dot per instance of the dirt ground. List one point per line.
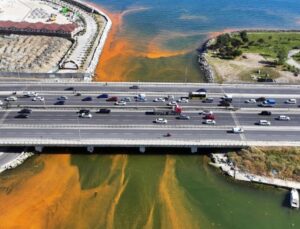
(243, 68)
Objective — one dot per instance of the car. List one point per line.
(266, 105)
(1, 103)
(103, 96)
(60, 102)
(161, 121)
(22, 116)
(264, 123)
(202, 90)
(104, 111)
(183, 100)
(120, 103)
(30, 94)
(208, 100)
(283, 118)
(62, 98)
(25, 111)
(209, 122)
(260, 99)
(291, 101)
(207, 113)
(85, 115)
(227, 97)
(89, 98)
(169, 98)
(69, 89)
(159, 100)
(112, 99)
(237, 130)
(266, 113)
(78, 94)
(139, 99)
(11, 98)
(83, 111)
(209, 116)
(134, 87)
(250, 101)
(38, 98)
(224, 103)
(172, 103)
(183, 117)
(126, 99)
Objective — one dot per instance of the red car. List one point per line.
(112, 99)
(209, 116)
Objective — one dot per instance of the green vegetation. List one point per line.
(261, 73)
(276, 162)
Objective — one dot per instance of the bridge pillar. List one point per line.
(38, 148)
(194, 149)
(142, 149)
(90, 149)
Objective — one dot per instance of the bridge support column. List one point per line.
(194, 149)
(90, 149)
(38, 149)
(142, 149)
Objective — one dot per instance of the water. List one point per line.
(157, 40)
(136, 191)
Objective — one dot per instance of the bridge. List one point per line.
(59, 125)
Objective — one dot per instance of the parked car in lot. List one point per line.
(183, 117)
(209, 122)
(161, 121)
(25, 111)
(112, 99)
(21, 116)
(266, 113)
(11, 98)
(62, 98)
(159, 100)
(104, 111)
(250, 101)
(264, 123)
(237, 130)
(283, 118)
(86, 99)
(38, 98)
(85, 115)
(291, 101)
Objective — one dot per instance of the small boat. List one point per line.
(294, 198)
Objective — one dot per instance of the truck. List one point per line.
(175, 110)
(140, 98)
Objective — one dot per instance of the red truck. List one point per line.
(176, 110)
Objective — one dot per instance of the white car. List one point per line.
(283, 118)
(237, 130)
(264, 123)
(11, 98)
(159, 100)
(1, 103)
(120, 103)
(291, 101)
(30, 94)
(207, 113)
(250, 101)
(38, 98)
(161, 121)
(183, 100)
(209, 122)
(85, 115)
(126, 99)
(172, 103)
(62, 98)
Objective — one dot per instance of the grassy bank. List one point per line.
(274, 162)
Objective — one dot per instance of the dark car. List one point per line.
(83, 111)
(134, 87)
(61, 102)
(78, 94)
(103, 96)
(25, 111)
(224, 103)
(202, 90)
(104, 111)
(208, 100)
(265, 113)
(89, 98)
(112, 99)
(69, 89)
(22, 116)
(183, 117)
(260, 99)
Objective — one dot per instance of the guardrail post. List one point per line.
(39, 149)
(142, 149)
(194, 149)
(90, 149)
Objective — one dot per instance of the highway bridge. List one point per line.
(58, 124)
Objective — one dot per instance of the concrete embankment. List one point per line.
(221, 161)
(205, 68)
(12, 160)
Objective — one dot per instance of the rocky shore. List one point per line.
(205, 68)
(14, 162)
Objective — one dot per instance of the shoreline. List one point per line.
(18, 160)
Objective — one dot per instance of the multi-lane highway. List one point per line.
(51, 123)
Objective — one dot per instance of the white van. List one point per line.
(264, 123)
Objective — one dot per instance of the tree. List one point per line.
(235, 42)
(281, 56)
(223, 40)
(244, 36)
